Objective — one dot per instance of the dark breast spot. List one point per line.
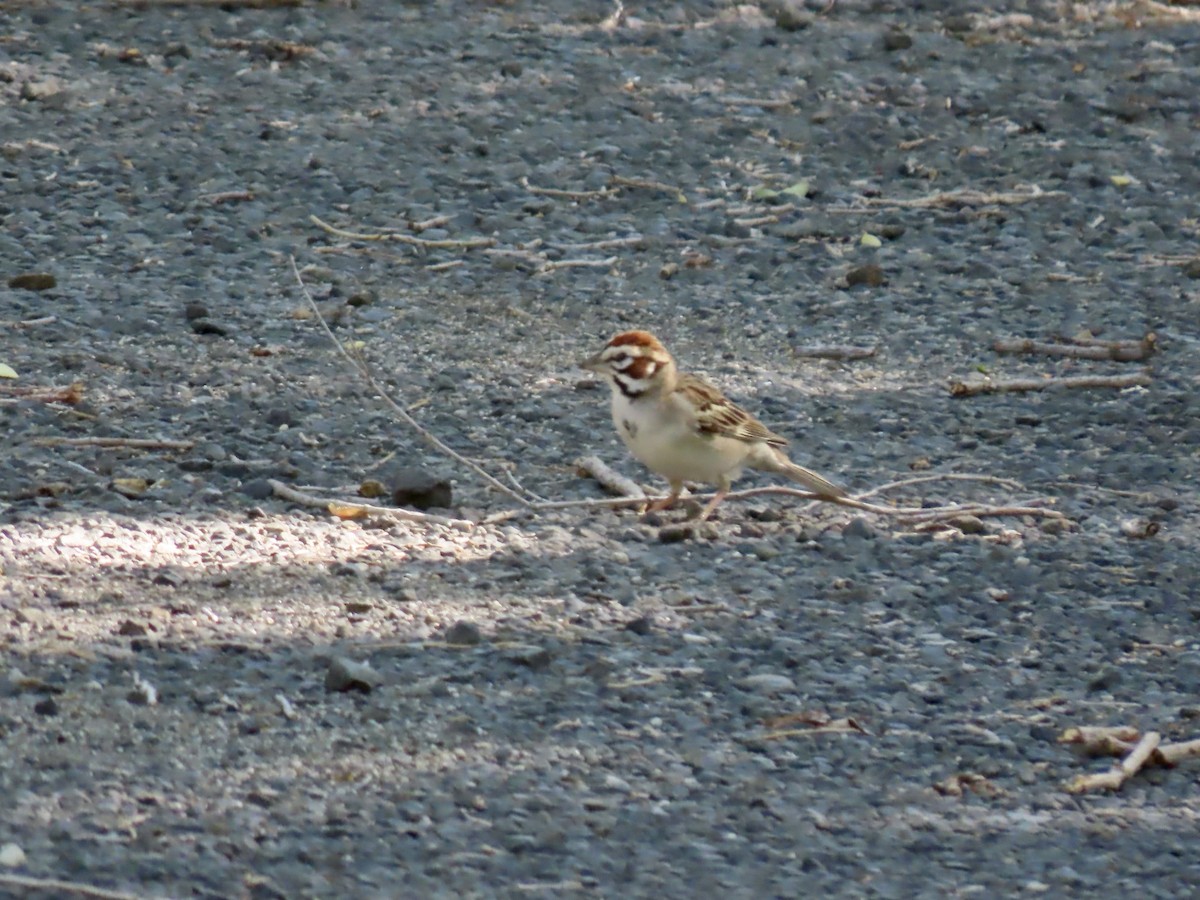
(629, 428)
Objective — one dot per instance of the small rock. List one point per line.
(641, 625)
(40, 91)
(765, 551)
(33, 281)
(969, 524)
(790, 15)
(46, 707)
(258, 489)
(1055, 526)
(418, 489)
(463, 634)
(530, 655)
(675, 534)
(143, 693)
(347, 675)
(1192, 268)
(207, 326)
(130, 628)
(871, 275)
(11, 856)
(896, 39)
(194, 311)
(767, 683)
(1139, 529)
(279, 417)
(959, 23)
(860, 528)
(1105, 679)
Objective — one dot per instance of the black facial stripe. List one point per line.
(630, 387)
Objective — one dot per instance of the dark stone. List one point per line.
(258, 489)
(347, 675)
(870, 275)
(641, 625)
(46, 707)
(33, 281)
(207, 326)
(418, 489)
(463, 634)
(1105, 679)
(130, 628)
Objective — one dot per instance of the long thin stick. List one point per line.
(132, 443)
(1121, 351)
(396, 407)
(908, 513)
(466, 244)
(1000, 386)
(835, 351)
(70, 887)
(941, 476)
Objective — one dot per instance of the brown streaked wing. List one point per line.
(718, 415)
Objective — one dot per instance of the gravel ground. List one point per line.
(565, 704)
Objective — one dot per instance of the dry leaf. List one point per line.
(957, 785)
(347, 510)
(372, 489)
(133, 488)
(7, 371)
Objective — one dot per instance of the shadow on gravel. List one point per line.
(558, 717)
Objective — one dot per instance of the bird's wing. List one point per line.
(716, 414)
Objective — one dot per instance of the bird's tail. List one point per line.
(812, 481)
(777, 461)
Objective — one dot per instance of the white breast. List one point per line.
(663, 437)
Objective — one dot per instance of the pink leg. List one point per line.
(712, 504)
(668, 501)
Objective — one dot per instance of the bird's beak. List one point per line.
(593, 364)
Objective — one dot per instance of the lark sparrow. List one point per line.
(685, 429)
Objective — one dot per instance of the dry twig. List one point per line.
(560, 194)
(556, 264)
(609, 479)
(835, 351)
(941, 476)
(967, 197)
(910, 514)
(404, 414)
(466, 244)
(648, 185)
(113, 442)
(10, 395)
(988, 385)
(637, 241)
(1116, 777)
(228, 197)
(59, 887)
(1121, 351)
(30, 323)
